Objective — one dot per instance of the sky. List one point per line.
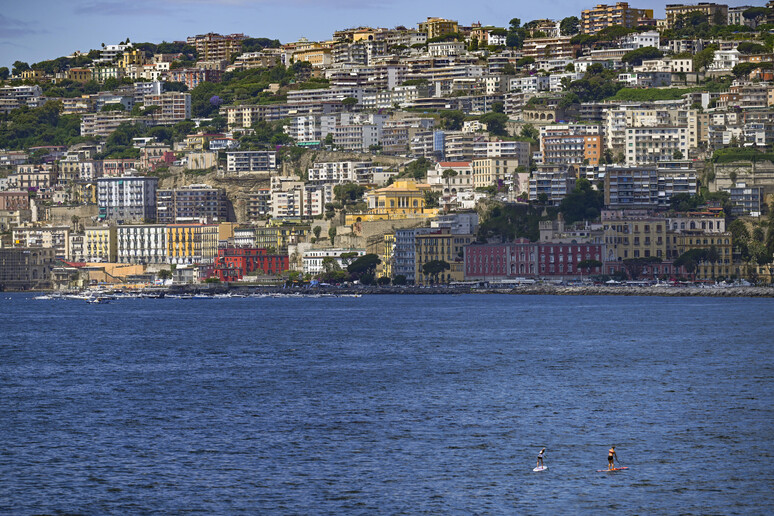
(36, 30)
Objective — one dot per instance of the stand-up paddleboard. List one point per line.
(614, 469)
(540, 468)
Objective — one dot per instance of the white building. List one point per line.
(127, 198)
(654, 144)
(243, 162)
(313, 259)
(142, 244)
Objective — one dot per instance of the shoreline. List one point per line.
(529, 290)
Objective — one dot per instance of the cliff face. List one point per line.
(237, 188)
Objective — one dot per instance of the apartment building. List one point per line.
(212, 46)
(603, 16)
(197, 202)
(525, 259)
(103, 124)
(12, 97)
(633, 234)
(493, 171)
(552, 181)
(258, 204)
(646, 186)
(245, 162)
(571, 144)
(141, 244)
(173, 107)
(127, 198)
(549, 48)
(33, 177)
(100, 243)
(440, 245)
(654, 144)
(435, 27)
(53, 237)
(716, 14)
(192, 243)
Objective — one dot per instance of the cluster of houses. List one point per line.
(68, 212)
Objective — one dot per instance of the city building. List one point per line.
(441, 245)
(193, 203)
(314, 259)
(189, 244)
(435, 27)
(603, 16)
(716, 14)
(247, 162)
(646, 186)
(127, 198)
(214, 47)
(234, 263)
(523, 259)
(24, 268)
(100, 243)
(142, 244)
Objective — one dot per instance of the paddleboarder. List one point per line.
(540, 458)
(610, 456)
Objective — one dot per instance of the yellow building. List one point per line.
(488, 171)
(435, 27)
(635, 238)
(403, 199)
(318, 56)
(79, 74)
(603, 16)
(192, 243)
(279, 236)
(384, 270)
(100, 244)
(443, 246)
(33, 75)
(722, 243)
(132, 57)
(226, 230)
(717, 14)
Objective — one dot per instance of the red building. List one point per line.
(525, 259)
(233, 263)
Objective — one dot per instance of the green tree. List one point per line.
(399, 279)
(19, 67)
(452, 119)
(365, 264)
(316, 231)
(434, 268)
(332, 234)
(498, 107)
(635, 57)
(704, 58)
(588, 264)
(495, 123)
(569, 26)
(4, 73)
(635, 266)
(583, 203)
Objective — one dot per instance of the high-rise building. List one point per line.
(127, 198)
(603, 16)
(191, 203)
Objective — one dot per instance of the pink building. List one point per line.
(525, 259)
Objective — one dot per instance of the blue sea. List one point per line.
(387, 405)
